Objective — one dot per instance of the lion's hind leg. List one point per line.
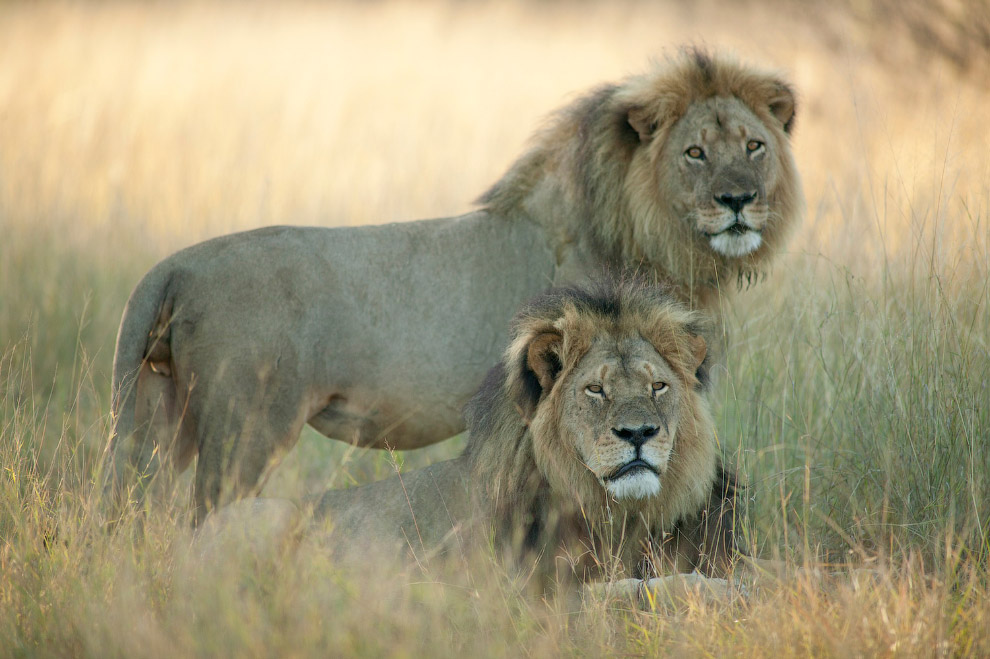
(242, 437)
(161, 443)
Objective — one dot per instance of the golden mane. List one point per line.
(590, 172)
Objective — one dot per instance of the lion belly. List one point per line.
(380, 334)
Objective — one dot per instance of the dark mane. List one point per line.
(530, 519)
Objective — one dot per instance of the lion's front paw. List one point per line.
(683, 590)
(672, 592)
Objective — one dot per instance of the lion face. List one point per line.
(610, 393)
(620, 407)
(685, 170)
(723, 164)
(598, 412)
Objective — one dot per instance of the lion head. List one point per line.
(686, 169)
(595, 425)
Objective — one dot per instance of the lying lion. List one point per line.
(378, 335)
(591, 452)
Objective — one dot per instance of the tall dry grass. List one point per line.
(855, 401)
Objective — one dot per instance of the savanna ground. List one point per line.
(855, 404)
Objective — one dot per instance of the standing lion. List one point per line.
(378, 335)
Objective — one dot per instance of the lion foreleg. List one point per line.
(239, 448)
(673, 591)
(760, 573)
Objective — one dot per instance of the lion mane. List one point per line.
(539, 495)
(587, 174)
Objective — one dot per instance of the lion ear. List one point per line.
(783, 105)
(698, 349)
(643, 122)
(534, 366)
(543, 358)
(697, 361)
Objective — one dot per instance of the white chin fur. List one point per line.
(735, 244)
(640, 484)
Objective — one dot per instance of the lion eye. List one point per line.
(695, 153)
(754, 145)
(659, 388)
(594, 390)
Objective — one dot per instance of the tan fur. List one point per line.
(523, 475)
(378, 335)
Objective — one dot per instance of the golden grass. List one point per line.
(856, 397)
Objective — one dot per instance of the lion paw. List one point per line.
(671, 592)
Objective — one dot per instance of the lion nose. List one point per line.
(735, 202)
(636, 436)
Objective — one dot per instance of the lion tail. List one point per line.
(143, 337)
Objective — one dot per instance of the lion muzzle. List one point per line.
(630, 467)
(735, 202)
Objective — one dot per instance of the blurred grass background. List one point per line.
(855, 404)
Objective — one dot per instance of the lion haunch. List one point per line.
(378, 335)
